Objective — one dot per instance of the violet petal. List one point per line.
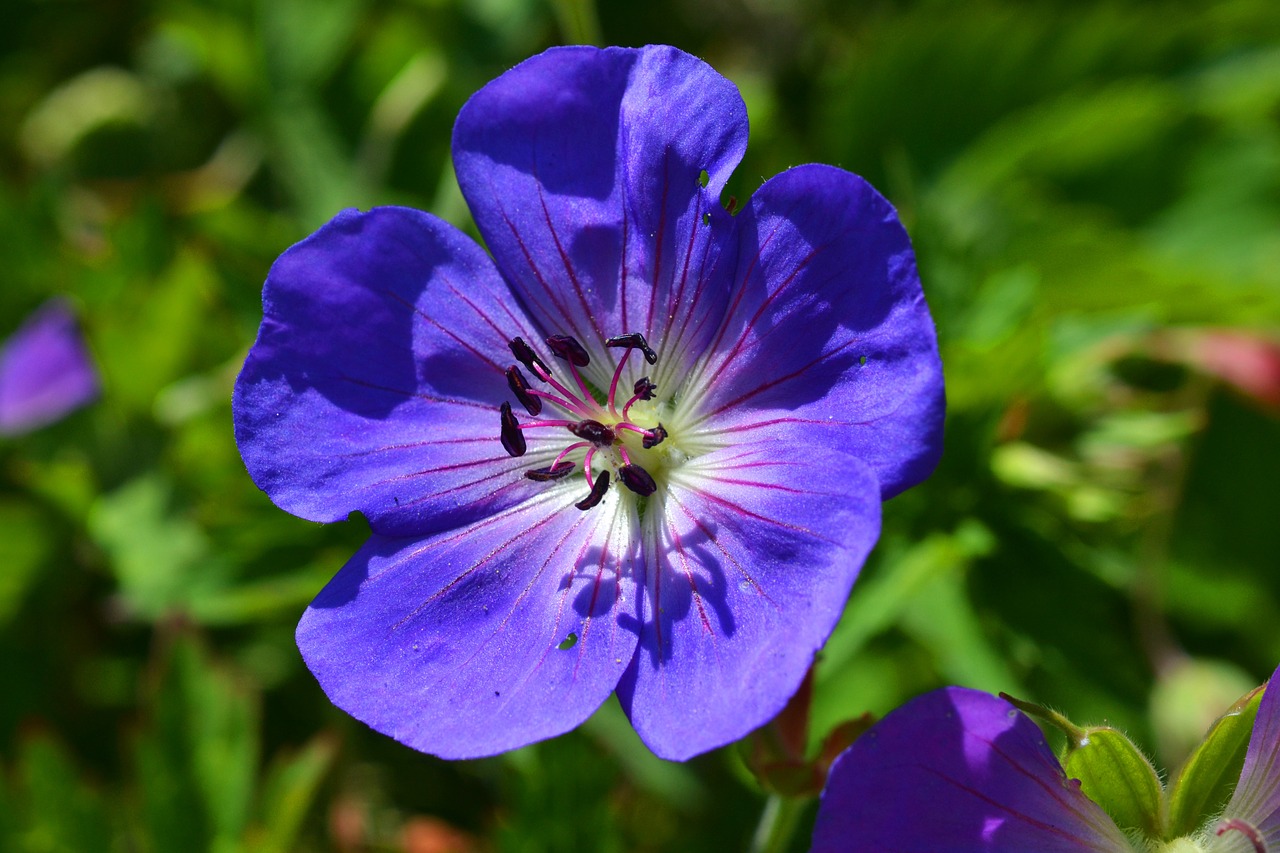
(962, 771)
(581, 167)
(377, 375)
(749, 556)
(482, 639)
(827, 278)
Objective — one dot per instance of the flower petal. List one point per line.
(1256, 800)
(829, 328)
(961, 771)
(581, 167)
(483, 639)
(375, 381)
(45, 371)
(749, 556)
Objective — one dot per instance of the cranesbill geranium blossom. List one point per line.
(640, 449)
(962, 771)
(45, 371)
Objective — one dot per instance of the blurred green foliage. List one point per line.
(1093, 189)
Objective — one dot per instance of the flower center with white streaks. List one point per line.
(615, 439)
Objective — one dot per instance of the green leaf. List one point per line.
(153, 334)
(881, 600)
(199, 757)
(8, 816)
(300, 62)
(63, 814)
(24, 545)
(288, 794)
(942, 618)
(1117, 776)
(259, 600)
(1210, 774)
(160, 558)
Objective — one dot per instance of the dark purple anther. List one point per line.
(654, 437)
(594, 432)
(636, 340)
(568, 348)
(598, 489)
(555, 472)
(512, 437)
(644, 388)
(637, 480)
(526, 356)
(520, 387)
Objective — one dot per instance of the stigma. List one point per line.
(599, 430)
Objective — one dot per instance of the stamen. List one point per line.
(1246, 829)
(637, 480)
(556, 471)
(593, 431)
(577, 445)
(598, 489)
(629, 427)
(613, 384)
(643, 391)
(526, 356)
(512, 437)
(568, 402)
(520, 387)
(546, 423)
(568, 348)
(634, 340)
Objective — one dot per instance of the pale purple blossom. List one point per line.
(45, 371)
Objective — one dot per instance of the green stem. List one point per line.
(578, 21)
(777, 824)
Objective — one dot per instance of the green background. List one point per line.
(1093, 190)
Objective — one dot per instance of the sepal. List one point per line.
(1117, 776)
(1209, 775)
(777, 752)
(1112, 771)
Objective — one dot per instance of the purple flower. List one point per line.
(962, 771)
(641, 449)
(1251, 821)
(45, 371)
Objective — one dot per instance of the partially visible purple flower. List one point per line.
(954, 771)
(960, 771)
(45, 371)
(711, 408)
(1251, 821)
